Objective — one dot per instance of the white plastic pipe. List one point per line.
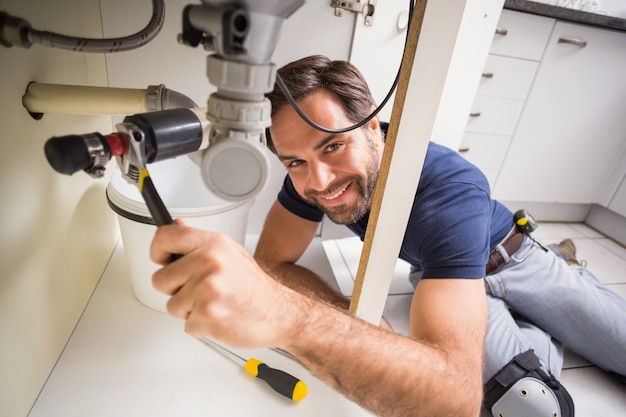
(72, 99)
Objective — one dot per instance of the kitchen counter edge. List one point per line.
(563, 13)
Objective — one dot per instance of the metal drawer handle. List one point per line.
(501, 31)
(573, 41)
(475, 114)
(487, 74)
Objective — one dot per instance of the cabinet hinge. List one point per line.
(365, 7)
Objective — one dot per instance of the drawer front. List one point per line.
(507, 77)
(484, 151)
(522, 35)
(493, 115)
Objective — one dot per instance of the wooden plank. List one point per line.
(436, 29)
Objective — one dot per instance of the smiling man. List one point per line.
(491, 306)
(335, 172)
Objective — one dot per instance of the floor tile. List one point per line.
(556, 232)
(595, 393)
(396, 312)
(608, 267)
(612, 247)
(585, 230)
(344, 255)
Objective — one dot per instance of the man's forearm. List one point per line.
(312, 285)
(386, 373)
(308, 283)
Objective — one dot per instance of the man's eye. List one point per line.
(333, 147)
(295, 163)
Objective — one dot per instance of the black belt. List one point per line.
(511, 245)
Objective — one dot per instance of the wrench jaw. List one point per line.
(134, 162)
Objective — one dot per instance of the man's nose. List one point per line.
(320, 176)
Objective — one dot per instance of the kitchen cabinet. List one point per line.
(572, 126)
(517, 47)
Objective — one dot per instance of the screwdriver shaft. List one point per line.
(221, 349)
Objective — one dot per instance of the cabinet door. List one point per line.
(572, 126)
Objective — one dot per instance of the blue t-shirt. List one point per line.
(454, 223)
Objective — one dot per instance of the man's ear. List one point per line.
(374, 124)
(376, 131)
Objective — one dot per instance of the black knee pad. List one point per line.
(522, 388)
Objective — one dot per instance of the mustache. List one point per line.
(332, 189)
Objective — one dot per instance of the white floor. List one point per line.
(594, 392)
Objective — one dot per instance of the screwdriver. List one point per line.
(280, 381)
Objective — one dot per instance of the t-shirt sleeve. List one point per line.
(291, 200)
(449, 230)
(454, 233)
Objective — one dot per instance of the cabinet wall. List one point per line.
(548, 121)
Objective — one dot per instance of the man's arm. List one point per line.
(436, 372)
(283, 240)
(221, 292)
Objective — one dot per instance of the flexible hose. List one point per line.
(104, 45)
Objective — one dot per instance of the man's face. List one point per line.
(335, 172)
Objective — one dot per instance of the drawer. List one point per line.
(522, 35)
(507, 77)
(493, 115)
(484, 151)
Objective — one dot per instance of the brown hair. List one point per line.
(308, 75)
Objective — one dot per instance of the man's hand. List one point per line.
(219, 290)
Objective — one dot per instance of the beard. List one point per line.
(364, 186)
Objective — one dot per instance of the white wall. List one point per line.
(56, 232)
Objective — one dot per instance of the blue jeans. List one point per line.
(538, 302)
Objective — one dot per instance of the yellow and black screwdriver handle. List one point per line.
(282, 382)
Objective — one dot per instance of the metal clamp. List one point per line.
(366, 8)
(98, 154)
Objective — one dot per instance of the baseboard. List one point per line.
(608, 223)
